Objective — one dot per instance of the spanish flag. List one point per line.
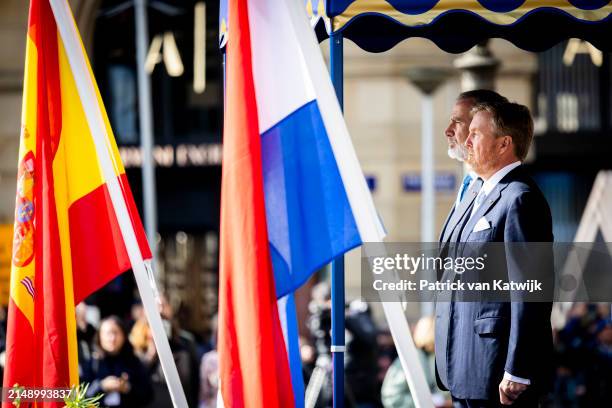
(67, 239)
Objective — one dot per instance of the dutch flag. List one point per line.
(293, 196)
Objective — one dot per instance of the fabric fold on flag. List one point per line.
(301, 167)
(67, 241)
(317, 200)
(254, 370)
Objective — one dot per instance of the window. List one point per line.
(187, 96)
(573, 92)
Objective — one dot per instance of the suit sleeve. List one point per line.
(528, 237)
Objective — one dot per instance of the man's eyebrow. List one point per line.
(456, 119)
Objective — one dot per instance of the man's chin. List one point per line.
(456, 155)
(470, 162)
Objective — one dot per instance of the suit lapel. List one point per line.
(458, 213)
(490, 200)
(448, 217)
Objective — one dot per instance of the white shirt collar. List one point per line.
(490, 184)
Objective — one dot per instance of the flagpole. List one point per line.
(370, 231)
(146, 127)
(338, 346)
(93, 113)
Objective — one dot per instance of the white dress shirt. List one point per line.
(490, 184)
(487, 187)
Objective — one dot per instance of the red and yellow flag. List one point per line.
(67, 241)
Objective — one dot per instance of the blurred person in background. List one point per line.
(136, 313)
(115, 370)
(318, 375)
(209, 372)
(386, 354)
(86, 334)
(571, 350)
(3, 314)
(583, 351)
(599, 377)
(141, 339)
(362, 389)
(361, 359)
(183, 349)
(395, 392)
(308, 356)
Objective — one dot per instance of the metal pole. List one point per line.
(146, 126)
(428, 200)
(224, 69)
(427, 80)
(337, 274)
(428, 197)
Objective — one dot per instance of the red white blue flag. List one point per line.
(293, 196)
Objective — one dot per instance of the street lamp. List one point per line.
(427, 80)
(478, 68)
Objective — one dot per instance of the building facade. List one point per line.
(571, 103)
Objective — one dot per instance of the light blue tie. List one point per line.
(466, 182)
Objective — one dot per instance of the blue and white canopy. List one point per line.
(457, 25)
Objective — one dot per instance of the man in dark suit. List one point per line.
(489, 353)
(457, 133)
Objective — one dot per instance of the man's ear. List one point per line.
(506, 142)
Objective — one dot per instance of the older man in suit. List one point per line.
(457, 133)
(490, 354)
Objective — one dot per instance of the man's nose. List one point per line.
(468, 141)
(449, 131)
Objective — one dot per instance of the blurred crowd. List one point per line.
(117, 357)
(582, 378)
(584, 358)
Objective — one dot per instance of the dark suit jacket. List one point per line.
(477, 341)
